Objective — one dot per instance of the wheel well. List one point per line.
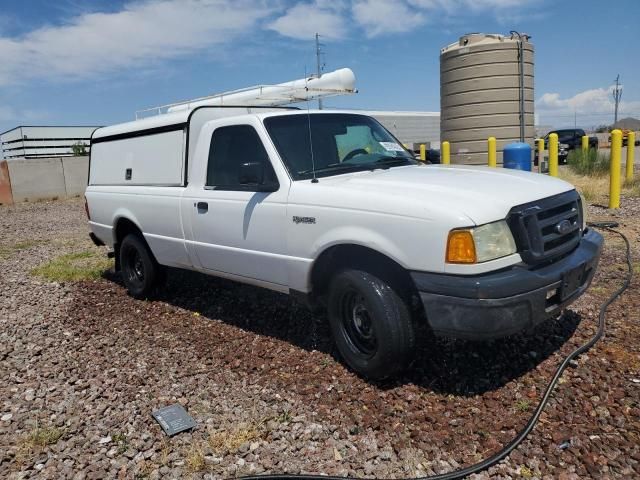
(343, 256)
(123, 227)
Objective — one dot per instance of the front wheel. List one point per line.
(371, 324)
(140, 272)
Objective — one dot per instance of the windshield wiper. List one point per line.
(390, 159)
(336, 166)
(384, 162)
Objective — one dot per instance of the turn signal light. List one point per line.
(461, 247)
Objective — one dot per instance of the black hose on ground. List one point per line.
(507, 449)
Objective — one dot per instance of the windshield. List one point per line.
(341, 143)
(568, 134)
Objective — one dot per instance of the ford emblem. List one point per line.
(563, 227)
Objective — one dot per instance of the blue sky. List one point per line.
(96, 62)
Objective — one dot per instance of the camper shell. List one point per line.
(155, 151)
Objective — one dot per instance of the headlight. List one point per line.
(480, 244)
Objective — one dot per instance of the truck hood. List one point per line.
(482, 194)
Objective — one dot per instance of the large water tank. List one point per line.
(484, 87)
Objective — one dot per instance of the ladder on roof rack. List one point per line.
(338, 82)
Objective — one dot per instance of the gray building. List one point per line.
(44, 141)
(410, 127)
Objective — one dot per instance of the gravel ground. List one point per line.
(82, 365)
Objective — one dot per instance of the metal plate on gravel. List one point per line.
(174, 419)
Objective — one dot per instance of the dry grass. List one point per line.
(229, 441)
(633, 187)
(36, 440)
(7, 251)
(74, 267)
(194, 459)
(164, 453)
(144, 470)
(596, 188)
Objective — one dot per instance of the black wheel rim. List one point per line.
(357, 323)
(134, 266)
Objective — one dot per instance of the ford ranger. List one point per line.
(330, 208)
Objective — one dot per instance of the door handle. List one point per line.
(203, 207)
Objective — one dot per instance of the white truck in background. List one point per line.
(329, 207)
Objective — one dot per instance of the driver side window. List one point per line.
(230, 148)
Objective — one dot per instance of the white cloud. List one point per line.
(590, 107)
(458, 6)
(595, 100)
(10, 115)
(303, 20)
(378, 17)
(146, 33)
(140, 34)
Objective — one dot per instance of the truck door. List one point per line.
(238, 208)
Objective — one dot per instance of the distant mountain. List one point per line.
(628, 123)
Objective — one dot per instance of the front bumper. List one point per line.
(502, 303)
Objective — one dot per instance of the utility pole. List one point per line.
(319, 64)
(617, 95)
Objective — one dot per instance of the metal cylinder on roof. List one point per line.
(486, 90)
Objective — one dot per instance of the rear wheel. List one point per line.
(371, 324)
(140, 272)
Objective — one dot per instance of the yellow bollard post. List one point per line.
(553, 154)
(585, 144)
(491, 147)
(446, 153)
(614, 174)
(423, 152)
(631, 146)
(540, 153)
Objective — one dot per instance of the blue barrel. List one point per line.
(517, 156)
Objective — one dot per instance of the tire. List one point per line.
(371, 324)
(140, 272)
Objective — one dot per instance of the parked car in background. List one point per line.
(568, 139)
(625, 138)
(432, 155)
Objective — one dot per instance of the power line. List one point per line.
(617, 95)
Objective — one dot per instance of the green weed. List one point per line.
(74, 267)
(592, 163)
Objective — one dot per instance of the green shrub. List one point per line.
(593, 163)
(79, 149)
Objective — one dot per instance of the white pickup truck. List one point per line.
(329, 207)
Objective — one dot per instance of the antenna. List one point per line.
(319, 65)
(617, 95)
(313, 163)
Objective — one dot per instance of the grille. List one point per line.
(547, 228)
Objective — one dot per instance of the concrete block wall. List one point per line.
(76, 173)
(43, 178)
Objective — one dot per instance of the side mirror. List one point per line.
(251, 174)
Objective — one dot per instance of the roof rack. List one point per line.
(339, 82)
